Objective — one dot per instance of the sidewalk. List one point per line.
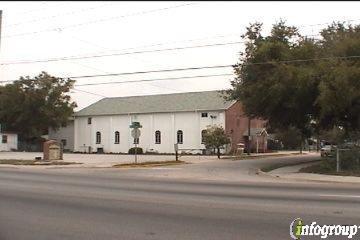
(98, 160)
(292, 173)
(264, 155)
(108, 160)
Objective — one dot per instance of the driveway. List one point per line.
(211, 169)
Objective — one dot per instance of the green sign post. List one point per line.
(135, 125)
(135, 133)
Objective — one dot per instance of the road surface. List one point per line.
(44, 205)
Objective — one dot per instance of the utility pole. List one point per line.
(0, 25)
(337, 160)
(0, 33)
(248, 145)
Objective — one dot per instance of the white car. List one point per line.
(327, 150)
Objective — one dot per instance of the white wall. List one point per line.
(12, 142)
(191, 123)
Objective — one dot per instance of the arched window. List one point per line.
(203, 132)
(117, 137)
(179, 136)
(98, 137)
(157, 137)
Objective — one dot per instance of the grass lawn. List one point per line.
(280, 165)
(149, 164)
(324, 167)
(34, 162)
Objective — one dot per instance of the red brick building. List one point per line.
(236, 127)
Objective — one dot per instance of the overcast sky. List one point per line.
(43, 30)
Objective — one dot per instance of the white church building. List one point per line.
(166, 119)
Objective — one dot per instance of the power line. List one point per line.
(206, 67)
(75, 89)
(143, 80)
(320, 24)
(151, 84)
(144, 12)
(100, 95)
(129, 15)
(38, 9)
(212, 75)
(153, 80)
(202, 76)
(69, 58)
(155, 44)
(151, 71)
(213, 67)
(59, 15)
(154, 85)
(119, 54)
(99, 20)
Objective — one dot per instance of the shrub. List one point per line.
(138, 150)
(274, 145)
(350, 159)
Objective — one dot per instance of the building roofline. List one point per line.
(162, 94)
(129, 98)
(184, 111)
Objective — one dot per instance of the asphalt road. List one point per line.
(49, 205)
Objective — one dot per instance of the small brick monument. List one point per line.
(52, 150)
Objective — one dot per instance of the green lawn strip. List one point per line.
(34, 162)
(247, 157)
(281, 165)
(149, 164)
(324, 167)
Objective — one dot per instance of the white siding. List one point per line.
(191, 123)
(12, 142)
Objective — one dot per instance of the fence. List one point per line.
(346, 159)
(30, 147)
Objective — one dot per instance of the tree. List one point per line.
(339, 95)
(30, 106)
(290, 137)
(271, 85)
(215, 137)
(334, 136)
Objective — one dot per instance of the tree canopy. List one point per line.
(30, 106)
(339, 94)
(297, 81)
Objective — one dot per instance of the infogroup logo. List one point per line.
(299, 229)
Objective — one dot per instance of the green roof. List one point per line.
(176, 102)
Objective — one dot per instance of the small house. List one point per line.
(8, 141)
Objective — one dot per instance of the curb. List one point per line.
(265, 156)
(259, 172)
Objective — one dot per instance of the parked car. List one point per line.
(327, 150)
